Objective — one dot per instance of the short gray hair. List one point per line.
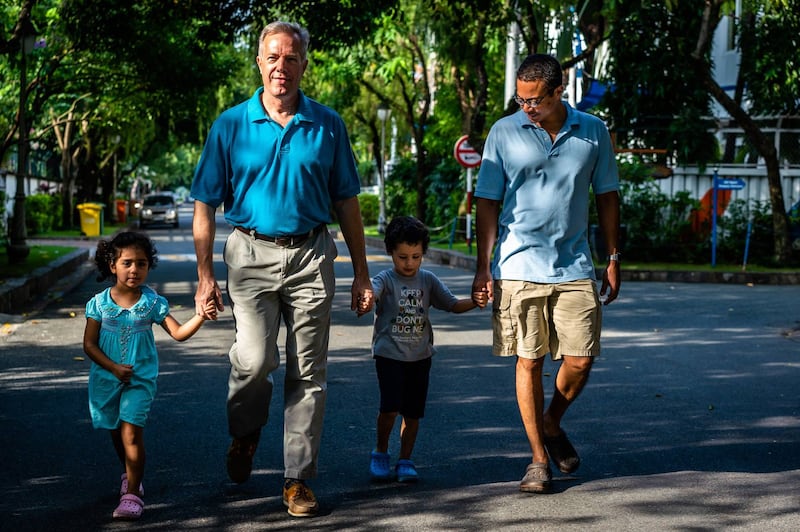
(289, 28)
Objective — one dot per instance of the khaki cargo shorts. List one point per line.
(533, 319)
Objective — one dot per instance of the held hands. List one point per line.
(480, 298)
(210, 310)
(482, 288)
(364, 302)
(208, 299)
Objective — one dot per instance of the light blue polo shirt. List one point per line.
(544, 190)
(278, 181)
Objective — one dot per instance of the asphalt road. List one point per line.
(690, 421)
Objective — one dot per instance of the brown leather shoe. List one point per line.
(299, 499)
(240, 456)
(537, 478)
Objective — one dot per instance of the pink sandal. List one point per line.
(130, 507)
(123, 488)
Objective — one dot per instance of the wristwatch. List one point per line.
(614, 256)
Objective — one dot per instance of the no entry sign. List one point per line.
(466, 154)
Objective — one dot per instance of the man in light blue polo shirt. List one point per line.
(537, 168)
(279, 163)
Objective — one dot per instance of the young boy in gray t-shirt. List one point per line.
(402, 340)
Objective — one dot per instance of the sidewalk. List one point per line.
(690, 421)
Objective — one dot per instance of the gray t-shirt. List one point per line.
(402, 325)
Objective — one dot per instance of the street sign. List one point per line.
(466, 154)
(720, 183)
(729, 184)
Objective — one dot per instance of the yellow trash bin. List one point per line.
(90, 218)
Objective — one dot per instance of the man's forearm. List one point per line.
(204, 230)
(608, 218)
(486, 213)
(349, 214)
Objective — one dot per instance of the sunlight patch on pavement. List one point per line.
(370, 258)
(31, 378)
(185, 257)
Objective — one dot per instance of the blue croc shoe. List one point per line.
(406, 472)
(379, 466)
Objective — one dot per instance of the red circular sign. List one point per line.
(466, 154)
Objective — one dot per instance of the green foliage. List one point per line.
(658, 227)
(445, 193)
(657, 99)
(732, 232)
(42, 213)
(772, 53)
(401, 195)
(175, 167)
(370, 208)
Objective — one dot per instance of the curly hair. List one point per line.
(406, 229)
(109, 250)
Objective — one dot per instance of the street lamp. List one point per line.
(113, 202)
(18, 249)
(383, 115)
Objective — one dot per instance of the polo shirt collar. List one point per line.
(257, 113)
(571, 121)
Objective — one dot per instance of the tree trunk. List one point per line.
(763, 144)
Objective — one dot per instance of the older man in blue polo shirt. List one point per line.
(533, 203)
(277, 163)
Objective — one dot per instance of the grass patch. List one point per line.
(39, 256)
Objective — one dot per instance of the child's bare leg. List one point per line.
(385, 425)
(408, 436)
(116, 439)
(133, 440)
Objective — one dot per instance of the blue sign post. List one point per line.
(720, 184)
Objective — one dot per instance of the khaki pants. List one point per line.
(267, 283)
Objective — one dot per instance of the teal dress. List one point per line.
(126, 337)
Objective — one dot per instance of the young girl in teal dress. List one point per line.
(119, 340)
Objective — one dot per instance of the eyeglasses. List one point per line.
(530, 102)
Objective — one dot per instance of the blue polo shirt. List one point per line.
(276, 180)
(544, 190)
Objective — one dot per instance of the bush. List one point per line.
(659, 227)
(732, 232)
(446, 194)
(370, 208)
(401, 192)
(42, 212)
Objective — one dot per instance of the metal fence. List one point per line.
(698, 183)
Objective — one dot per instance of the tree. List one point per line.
(660, 99)
(774, 74)
(656, 101)
(153, 74)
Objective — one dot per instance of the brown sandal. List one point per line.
(562, 452)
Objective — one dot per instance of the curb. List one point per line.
(24, 294)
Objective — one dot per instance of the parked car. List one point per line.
(158, 209)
